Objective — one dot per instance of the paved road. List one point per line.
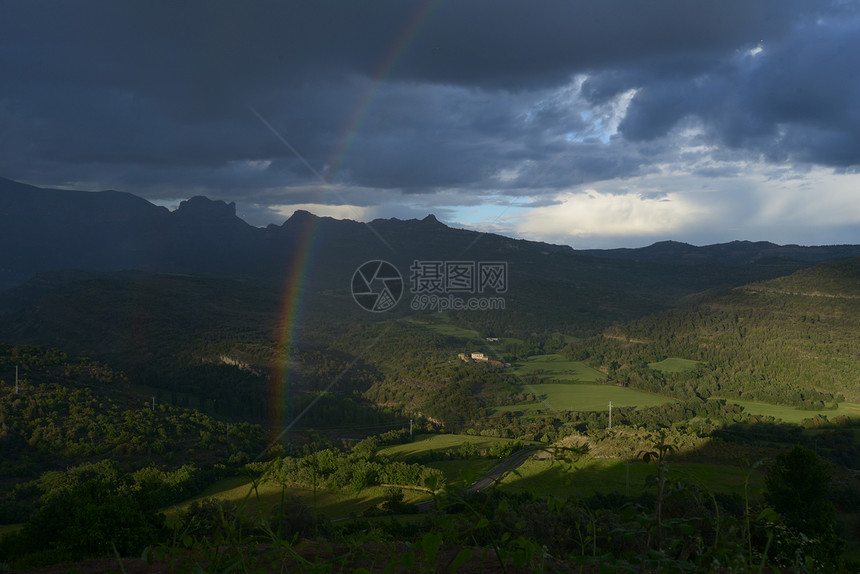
(507, 465)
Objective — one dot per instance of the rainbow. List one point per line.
(289, 316)
(291, 305)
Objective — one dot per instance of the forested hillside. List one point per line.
(76, 413)
(792, 340)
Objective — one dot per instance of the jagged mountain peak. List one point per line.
(202, 206)
(301, 215)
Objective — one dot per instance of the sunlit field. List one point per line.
(447, 329)
(438, 443)
(265, 499)
(795, 415)
(674, 365)
(556, 397)
(592, 476)
(557, 368)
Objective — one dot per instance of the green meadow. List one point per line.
(591, 476)
(439, 323)
(266, 497)
(462, 473)
(9, 528)
(443, 327)
(557, 368)
(582, 397)
(674, 365)
(793, 414)
(438, 443)
(450, 330)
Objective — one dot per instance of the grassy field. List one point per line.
(795, 415)
(333, 504)
(439, 325)
(438, 443)
(582, 397)
(267, 497)
(591, 476)
(557, 368)
(450, 330)
(462, 473)
(9, 529)
(674, 365)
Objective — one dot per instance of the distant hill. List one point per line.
(102, 274)
(780, 341)
(839, 278)
(52, 229)
(733, 253)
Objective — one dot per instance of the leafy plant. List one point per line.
(658, 456)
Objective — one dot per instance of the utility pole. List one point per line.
(16, 379)
(410, 429)
(153, 404)
(610, 414)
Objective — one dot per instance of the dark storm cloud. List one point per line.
(412, 97)
(797, 99)
(519, 44)
(226, 48)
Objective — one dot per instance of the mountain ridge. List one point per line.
(737, 252)
(56, 229)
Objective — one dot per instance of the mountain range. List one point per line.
(53, 229)
(71, 255)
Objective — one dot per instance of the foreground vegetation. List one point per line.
(567, 509)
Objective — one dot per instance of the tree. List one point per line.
(92, 519)
(798, 487)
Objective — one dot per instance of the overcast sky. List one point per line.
(593, 123)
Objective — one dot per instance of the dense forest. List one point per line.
(780, 341)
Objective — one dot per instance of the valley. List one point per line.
(209, 405)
